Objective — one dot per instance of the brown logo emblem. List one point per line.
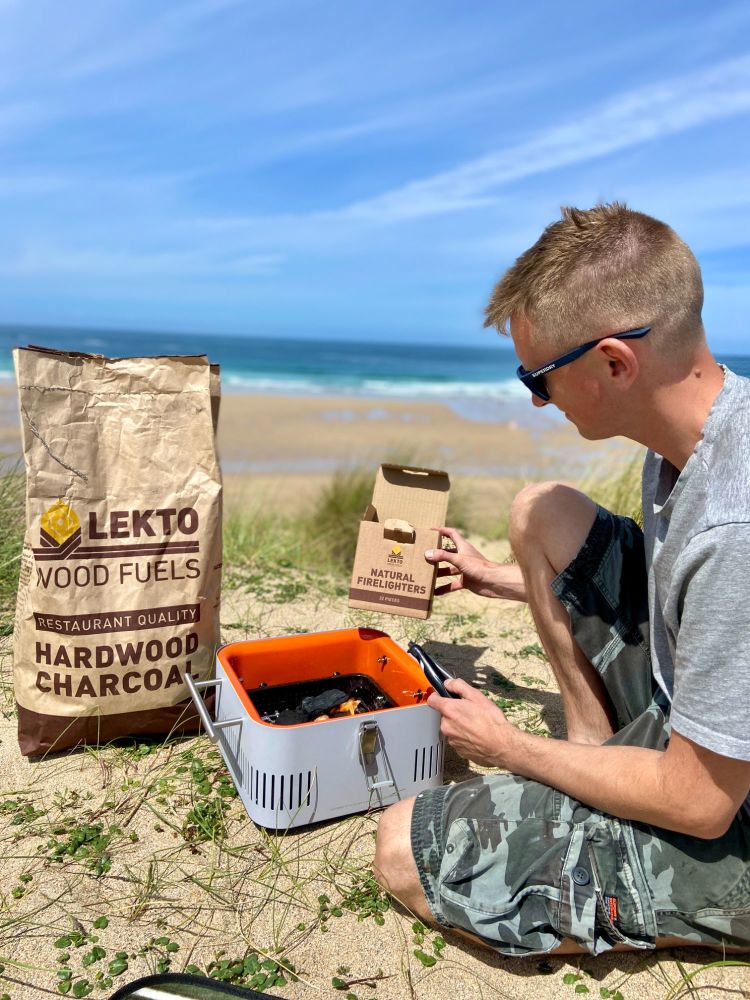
(60, 533)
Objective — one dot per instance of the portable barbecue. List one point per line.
(376, 744)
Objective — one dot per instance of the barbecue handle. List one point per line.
(208, 724)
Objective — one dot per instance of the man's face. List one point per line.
(572, 388)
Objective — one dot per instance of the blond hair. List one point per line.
(603, 270)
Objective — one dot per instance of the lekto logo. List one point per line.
(395, 556)
(149, 532)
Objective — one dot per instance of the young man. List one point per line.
(635, 831)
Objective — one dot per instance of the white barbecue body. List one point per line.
(289, 776)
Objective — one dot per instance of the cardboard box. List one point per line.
(390, 571)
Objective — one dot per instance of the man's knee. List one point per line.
(394, 865)
(550, 518)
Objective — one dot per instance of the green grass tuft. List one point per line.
(12, 508)
(619, 492)
(261, 547)
(259, 537)
(333, 523)
(320, 541)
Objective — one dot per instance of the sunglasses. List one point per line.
(536, 380)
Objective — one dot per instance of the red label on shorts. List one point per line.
(611, 903)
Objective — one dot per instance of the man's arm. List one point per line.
(685, 788)
(470, 570)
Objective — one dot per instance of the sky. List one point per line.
(348, 169)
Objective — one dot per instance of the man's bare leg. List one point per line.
(549, 523)
(394, 866)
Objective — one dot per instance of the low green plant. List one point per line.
(211, 788)
(533, 649)
(159, 952)
(205, 821)
(22, 813)
(576, 980)
(465, 627)
(524, 714)
(343, 981)
(422, 937)
(535, 682)
(88, 843)
(93, 974)
(24, 881)
(366, 899)
(251, 970)
(326, 911)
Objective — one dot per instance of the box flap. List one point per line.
(419, 496)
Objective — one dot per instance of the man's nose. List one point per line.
(538, 401)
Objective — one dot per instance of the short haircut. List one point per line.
(604, 270)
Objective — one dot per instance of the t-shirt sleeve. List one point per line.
(711, 699)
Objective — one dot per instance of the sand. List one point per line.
(283, 449)
(259, 891)
(170, 895)
(318, 434)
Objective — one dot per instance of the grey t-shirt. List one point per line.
(697, 534)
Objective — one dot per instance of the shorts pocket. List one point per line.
(523, 886)
(627, 911)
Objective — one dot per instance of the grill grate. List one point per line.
(275, 702)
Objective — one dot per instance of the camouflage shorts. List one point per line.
(524, 866)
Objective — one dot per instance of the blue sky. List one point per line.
(349, 169)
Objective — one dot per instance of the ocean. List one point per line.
(479, 382)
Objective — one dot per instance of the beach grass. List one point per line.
(11, 543)
(320, 541)
(618, 491)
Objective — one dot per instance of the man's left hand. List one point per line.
(473, 725)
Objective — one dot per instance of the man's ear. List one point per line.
(621, 361)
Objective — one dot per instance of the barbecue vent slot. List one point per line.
(426, 762)
(293, 789)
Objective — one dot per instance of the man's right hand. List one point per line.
(470, 570)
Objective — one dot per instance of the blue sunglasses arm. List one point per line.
(578, 351)
(558, 362)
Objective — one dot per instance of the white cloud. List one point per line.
(256, 245)
(151, 38)
(47, 259)
(632, 118)
(641, 115)
(711, 209)
(404, 115)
